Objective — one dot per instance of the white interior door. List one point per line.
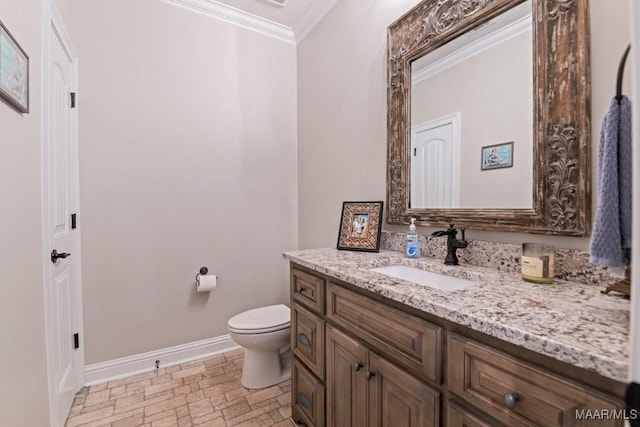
(62, 281)
(432, 157)
(434, 163)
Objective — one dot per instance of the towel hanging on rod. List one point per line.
(621, 73)
(611, 235)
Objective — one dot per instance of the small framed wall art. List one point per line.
(360, 226)
(14, 72)
(497, 156)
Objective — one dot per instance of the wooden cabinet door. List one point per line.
(396, 399)
(346, 383)
(460, 417)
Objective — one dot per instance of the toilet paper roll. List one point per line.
(207, 282)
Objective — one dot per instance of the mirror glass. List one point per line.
(519, 160)
(471, 118)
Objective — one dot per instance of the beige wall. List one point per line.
(68, 12)
(342, 111)
(342, 97)
(188, 159)
(23, 380)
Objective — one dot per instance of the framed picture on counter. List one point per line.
(360, 226)
(14, 72)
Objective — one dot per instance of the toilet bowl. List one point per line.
(264, 333)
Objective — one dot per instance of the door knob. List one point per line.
(510, 400)
(55, 255)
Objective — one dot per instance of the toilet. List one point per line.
(265, 334)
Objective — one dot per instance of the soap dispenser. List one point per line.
(413, 244)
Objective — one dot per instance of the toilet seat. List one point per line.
(261, 320)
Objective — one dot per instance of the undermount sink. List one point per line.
(425, 278)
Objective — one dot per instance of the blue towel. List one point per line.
(611, 237)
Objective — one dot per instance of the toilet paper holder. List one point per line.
(203, 271)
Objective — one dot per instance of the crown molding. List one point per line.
(311, 17)
(517, 27)
(237, 17)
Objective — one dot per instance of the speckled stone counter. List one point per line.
(571, 264)
(568, 321)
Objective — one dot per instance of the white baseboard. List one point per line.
(144, 362)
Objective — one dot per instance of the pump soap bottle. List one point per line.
(413, 244)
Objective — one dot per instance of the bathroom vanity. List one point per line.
(370, 349)
(374, 350)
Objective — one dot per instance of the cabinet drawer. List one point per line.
(307, 339)
(307, 397)
(307, 290)
(489, 379)
(405, 339)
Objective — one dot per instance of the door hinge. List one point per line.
(74, 223)
(76, 340)
(414, 151)
(73, 100)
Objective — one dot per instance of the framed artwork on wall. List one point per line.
(497, 156)
(14, 72)
(360, 226)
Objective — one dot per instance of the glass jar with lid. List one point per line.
(538, 262)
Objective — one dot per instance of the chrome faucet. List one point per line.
(453, 244)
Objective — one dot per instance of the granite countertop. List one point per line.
(568, 321)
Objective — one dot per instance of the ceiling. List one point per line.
(288, 15)
(290, 23)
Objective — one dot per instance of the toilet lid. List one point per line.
(263, 318)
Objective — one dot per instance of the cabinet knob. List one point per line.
(357, 366)
(510, 400)
(304, 340)
(304, 400)
(300, 289)
(370, 375)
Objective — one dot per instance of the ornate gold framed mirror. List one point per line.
(560, 148)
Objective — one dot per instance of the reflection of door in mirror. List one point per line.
(486, 75)
(435, 165)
